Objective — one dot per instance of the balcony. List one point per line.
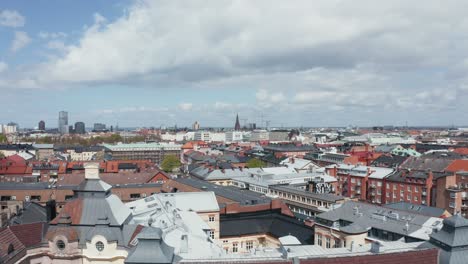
(424, 193)
(453, 195)
(372, 186)
(358, 183)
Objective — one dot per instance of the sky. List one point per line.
(293, 63)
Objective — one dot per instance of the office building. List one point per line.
(99, 127)
(155, 152)
(41, 125)
(80, 128)
(63, 122)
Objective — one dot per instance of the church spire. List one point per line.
(237, 125)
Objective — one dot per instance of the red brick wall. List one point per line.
(429, 256)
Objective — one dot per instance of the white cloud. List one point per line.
(20, 41)
(57, 45)
(185, 106)
(3, 66)
(51, 35)
(11, 18)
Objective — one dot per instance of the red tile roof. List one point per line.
(74, 209)
(458, 165)
(7, 238)
(29, 234)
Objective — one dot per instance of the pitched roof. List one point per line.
(417, 209)
(8, 240)
(458, 165)
(30, 234)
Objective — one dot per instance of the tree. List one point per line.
(3, 138)
(255, 163)
(170, 163)
(2, 155)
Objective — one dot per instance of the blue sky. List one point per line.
(314, 63)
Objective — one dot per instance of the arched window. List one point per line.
(60, 244)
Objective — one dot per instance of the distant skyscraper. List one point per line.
(41, 125)
(80, 128)
(99, 127)
(63, 122)
(196, 125)
(237, 126)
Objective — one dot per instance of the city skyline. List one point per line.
(332, 63)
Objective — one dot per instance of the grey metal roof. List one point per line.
(354, 228)
(232, 193)
(391, 220)
(150, 248)
(417, 209)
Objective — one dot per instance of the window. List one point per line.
(379, 192)
(235, 247)
(379, 184)
(99, 246)
(249, 245)
(134, 196)
(337, 243)
(60, 244)
(353, 180)
(409, 197)
(211, 218)
(225, 241)
(327, 241)
(416, 189)
(319, 239)
(415, 198)
(35, 198)
(68, 197)
(211, 234)
(394, 186)
(409, 188)
(388, 186)
(388, 195)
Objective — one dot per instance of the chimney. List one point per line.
(51, 210)
(184, 244)
(92, 171)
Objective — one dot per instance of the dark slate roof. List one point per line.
(417, 209)
(31, 213)
(400, 175)
(329, 197)
(16, 147)
(264, 222)
(151, 248)
(289, 147)
(127, 166)
(232, 193)
(436, 161)
(388, 161)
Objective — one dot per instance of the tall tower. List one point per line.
(237, 126)
(63, 122)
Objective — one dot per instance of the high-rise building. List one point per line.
(99, 127)
(41, 125)
(196, 126)
(237, 126)
(63, 122)
(80, 128)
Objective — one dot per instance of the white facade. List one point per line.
(202, 135)
(259, 135)
(234, 136)
(8, 129)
